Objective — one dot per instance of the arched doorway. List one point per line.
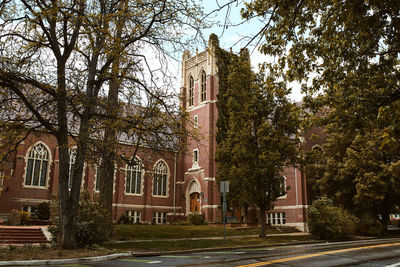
(194, 201)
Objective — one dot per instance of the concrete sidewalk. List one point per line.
(150, 253)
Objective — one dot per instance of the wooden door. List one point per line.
(195, 202)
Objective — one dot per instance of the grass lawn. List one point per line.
(137, 231)
(14, 253)
(164, 232)
(43, 253)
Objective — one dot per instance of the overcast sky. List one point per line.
(236, 34)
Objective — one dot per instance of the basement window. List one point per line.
(276, 218)
(134, 216)
(159, 217)
(30, 209)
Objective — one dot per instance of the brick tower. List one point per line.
(198, 191)
(199, 91)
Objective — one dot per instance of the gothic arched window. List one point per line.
(37, 166)
(318, 154)
(72, 159)
(283, 186)
(203, 86)
(196, 121)
(102, 174)
(160, 179)
(99, 175)
(191, 91)
(134, 174)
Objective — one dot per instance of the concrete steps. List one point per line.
(21, 235)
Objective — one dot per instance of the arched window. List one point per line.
(317, 148)
(72, 159)
(191, 91)
(283, 186)
(203, 86)
(317, 152)
(37, 166)
(101, 174)
(133, 182)
(196, 121)
(160, 179)
(1, 180)
(195, 158)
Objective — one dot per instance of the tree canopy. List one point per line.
(345, 55)
(58, 58)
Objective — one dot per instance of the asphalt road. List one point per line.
(378, 252)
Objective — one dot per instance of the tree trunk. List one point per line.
(66, 234)
(263, 233)
(385, 221)
(107, 182)
(68, 213)
(67, 216)
(69, 200)
(110, 144)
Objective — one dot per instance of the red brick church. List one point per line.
(185, 184)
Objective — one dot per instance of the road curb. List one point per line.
(66, 261)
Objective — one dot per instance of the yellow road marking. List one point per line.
(314, 255)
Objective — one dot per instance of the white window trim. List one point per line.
(95, 177)
(201, 84)
(316, 146)
(195, 164)
(196, 159)
(157, 214)
(29, 209)
(50, 161)
(190, 90)
(141, 182)
(285, 183)
(196, 121)
(167, 183)
(2, 177)
(70, 163)
(134, 215)
(274, 217)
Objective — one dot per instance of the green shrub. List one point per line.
(325, 221)
(123, 219)
(180, 222)
(91, 218)
(196, 218)
(43, 211)
(369, 226)
(24, 217)
(396, 223)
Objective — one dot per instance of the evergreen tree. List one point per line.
(260, 137)
(346, 56)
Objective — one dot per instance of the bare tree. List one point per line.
(57, 57)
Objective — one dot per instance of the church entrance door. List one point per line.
(195, 202)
